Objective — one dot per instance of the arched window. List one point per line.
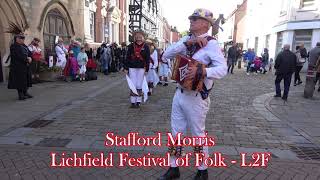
(54, 26)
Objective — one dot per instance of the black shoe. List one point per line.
(295, 84)
(172, 173)
(21, 96)
(159, 83)
(201, 175)
(34, 81)
(133, 105)
(300, 82)
(138, 105)
(149, 93)
(38, 80)
(319, 89)
(277, 95)
(166, 84)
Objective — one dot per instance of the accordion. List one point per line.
(180, 69)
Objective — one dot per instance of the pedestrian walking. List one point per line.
(301, 59)
(312, 73)
(265, 59)
(232, 57)
(303, 52)
(285, 66)
(164, 69)
(136, 65)
(249, 57)
(314, 56)
(153, 64)
(271, 65)
(189, 108)
(239, 57)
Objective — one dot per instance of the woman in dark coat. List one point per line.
(20, 74)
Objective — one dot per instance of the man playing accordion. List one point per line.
(191, 103)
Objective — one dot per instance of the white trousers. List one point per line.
(164, 70)
(83, 69)
(136, 75)
(151, 76)
(189, 110)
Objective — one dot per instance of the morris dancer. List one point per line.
(189, 108)
(164, 69)
(137, 63)
(153, 65)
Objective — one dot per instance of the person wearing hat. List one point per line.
(20, 74)
(61, 52)
(136, 64)
(152, 66)
(189, 108)
(36, 59)
(164, 69)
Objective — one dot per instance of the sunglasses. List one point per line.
(193, 19)
(21, 37)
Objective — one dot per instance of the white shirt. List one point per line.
(154, 57)
(33, 48)
(210, 54)
(61, 52)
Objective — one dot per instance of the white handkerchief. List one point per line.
(145, 89)
(131, 85)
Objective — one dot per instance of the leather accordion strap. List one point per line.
(191, 50)
(198, 77)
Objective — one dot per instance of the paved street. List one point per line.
(74, 117)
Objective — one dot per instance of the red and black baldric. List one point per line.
(137, 52)
(193, 49)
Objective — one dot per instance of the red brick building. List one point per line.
(175, 35)
(166, 33)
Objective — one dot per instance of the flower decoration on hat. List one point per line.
(204, 14)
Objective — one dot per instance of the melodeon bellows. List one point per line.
(181, 68)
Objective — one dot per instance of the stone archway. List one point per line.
(55, 4)
(56, 12)
(10, 10)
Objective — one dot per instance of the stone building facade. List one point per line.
(92, 21)
(273, 23)
(44, 19)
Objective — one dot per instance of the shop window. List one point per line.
(279, 42)
(303, 37)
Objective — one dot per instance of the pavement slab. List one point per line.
(243, 117)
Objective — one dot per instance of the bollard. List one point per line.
(310, 82)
